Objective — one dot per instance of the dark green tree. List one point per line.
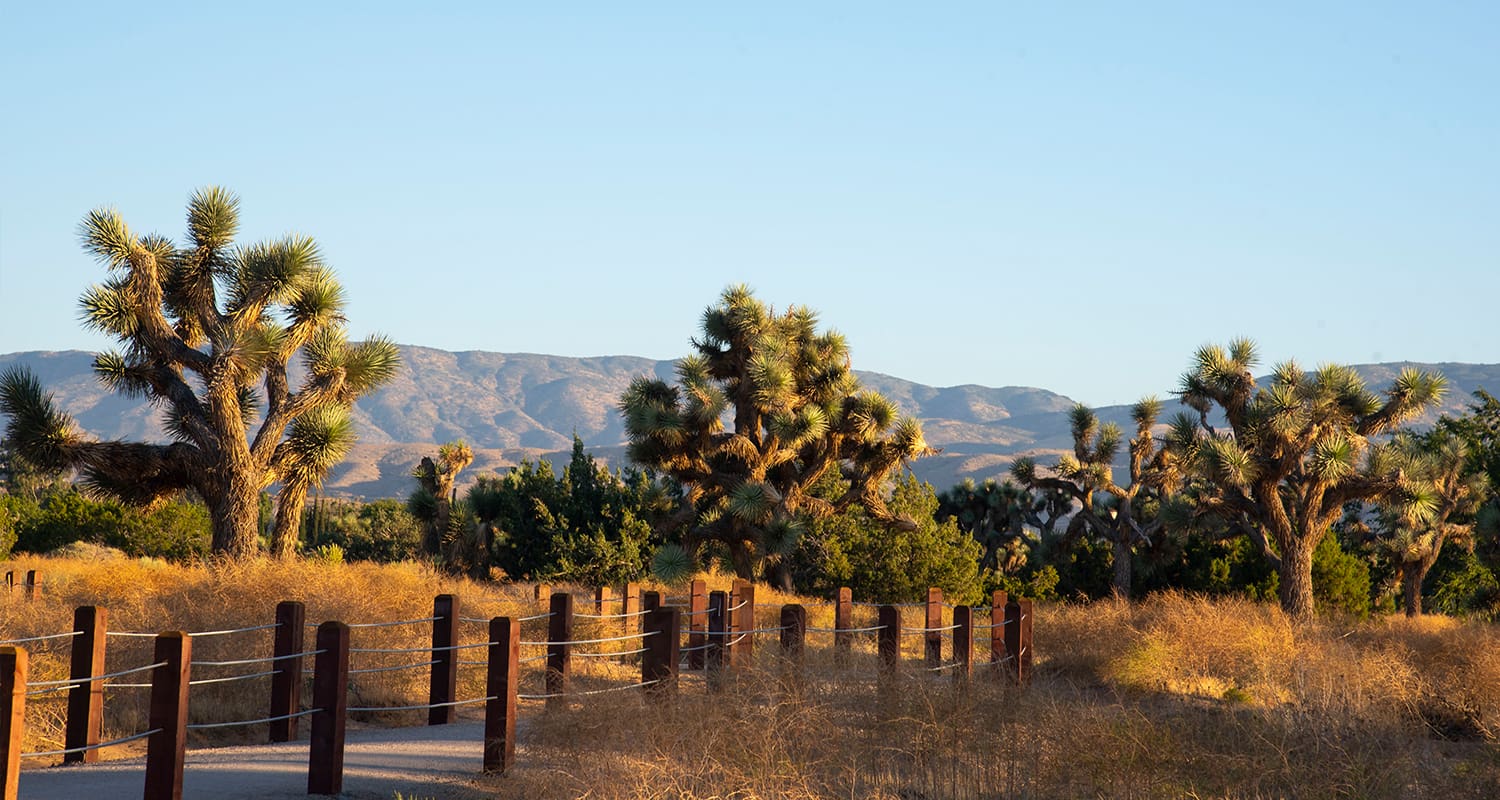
(852, 548)
(589, 525)
(796, 413)
(1296, 450)
(207, 331)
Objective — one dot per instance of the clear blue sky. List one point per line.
(993, 193)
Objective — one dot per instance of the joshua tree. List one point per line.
(316, 442)
(798, 413)
(997, 516)
(1446, 497)
(1125, 516)
(1296, 451)
(432, 502)
(207, 331)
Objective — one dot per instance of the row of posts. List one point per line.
(719, 639)
(31, 584)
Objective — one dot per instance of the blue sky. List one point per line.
(1073, 197)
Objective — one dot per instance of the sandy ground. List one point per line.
(437, 762)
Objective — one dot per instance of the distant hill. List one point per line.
(510, 406)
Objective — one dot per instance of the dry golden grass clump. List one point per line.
(1174, 696)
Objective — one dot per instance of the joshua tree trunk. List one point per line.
(234, 507)
(1296, 576)
(286, 532)
(1122, 567)
(1411, 588)
(1412, 575)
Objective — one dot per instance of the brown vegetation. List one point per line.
(1172, 697)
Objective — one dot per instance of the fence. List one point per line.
(720, 628)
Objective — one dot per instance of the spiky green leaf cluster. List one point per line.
(764, 406)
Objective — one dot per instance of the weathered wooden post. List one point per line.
(697, 622)
(933, 638)
(325, 756)
(543, 591)
(997, 631)
(33, 584)
(1018, 640)
(843, 620)
(631, 607)
(743, 602)
(86, 698)
(10, 580)
(718, 624)
(603, 597)
(502, 678)
(167, 747)
(650, 600)
(663, 628)
(889, 640)
(963, 642)
(12, 718)
(286, 683)
(793, 632)
(559, 633)
(443, 687)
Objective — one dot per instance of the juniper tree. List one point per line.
(1296, 450)
(207, 331)
(795, 412)
(1124, 516)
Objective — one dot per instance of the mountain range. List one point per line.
(514, 406)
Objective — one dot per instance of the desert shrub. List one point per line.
(381, 530)
(883, 563)
(589, 525)
(1340, 579)
(1462, 585)
(176, 529)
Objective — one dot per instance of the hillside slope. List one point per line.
(510, 406)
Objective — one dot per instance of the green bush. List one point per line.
(381, 530)
(884, 564)
(177, 529)
(589, 525)
(1340, 580)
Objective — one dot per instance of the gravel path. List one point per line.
(436, 762)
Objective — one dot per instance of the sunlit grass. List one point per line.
(1173, 696)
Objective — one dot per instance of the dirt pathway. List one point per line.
(436, 762)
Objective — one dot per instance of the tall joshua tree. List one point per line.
(207, 331)
(1295, 452)
(1125, 516)
(797, 413)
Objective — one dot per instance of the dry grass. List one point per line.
(1172, 697)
